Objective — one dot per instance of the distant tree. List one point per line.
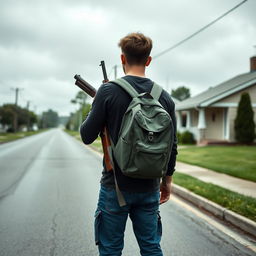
(86, 109)
(7, 113)
(181, 93)
(80, 98)
(76, 118)
(15, 117)
(244, 123)
(49, 119)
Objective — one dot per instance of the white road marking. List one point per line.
(217, 225)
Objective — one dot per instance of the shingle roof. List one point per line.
(175, 100)
(218, 91)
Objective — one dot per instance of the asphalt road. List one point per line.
(49, 185)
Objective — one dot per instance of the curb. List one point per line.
(235, 219)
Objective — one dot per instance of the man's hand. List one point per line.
(165, 189)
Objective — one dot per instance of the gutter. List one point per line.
(220, 212)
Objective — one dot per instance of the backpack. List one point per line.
(146, 135)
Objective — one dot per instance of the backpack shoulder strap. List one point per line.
(126, 86)
(156, 91)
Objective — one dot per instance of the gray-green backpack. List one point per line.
(146, 135)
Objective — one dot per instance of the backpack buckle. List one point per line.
(150, 136)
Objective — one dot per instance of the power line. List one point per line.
(199, 31)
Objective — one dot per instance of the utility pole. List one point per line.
(28, 120)
(28, 103)
(15, 114)
(16, 96)
(115, 71)
(17, 90)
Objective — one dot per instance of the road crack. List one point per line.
(53, 240)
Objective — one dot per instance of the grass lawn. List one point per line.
(73, 133)
(95, 145)
(238, 203)
(238, 161)
(6, 137)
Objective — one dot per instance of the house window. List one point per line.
(184, 120)
(213, 117)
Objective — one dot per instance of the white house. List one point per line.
(210, 115)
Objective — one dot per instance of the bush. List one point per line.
(178, 134)
(187, 138)
(244, 123)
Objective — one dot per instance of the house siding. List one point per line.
(232, 116)
(194, 118)
(214, 123)
(235, 98)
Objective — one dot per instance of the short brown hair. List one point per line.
(136, 47)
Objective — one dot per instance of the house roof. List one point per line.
(218, 92)
(175, 100)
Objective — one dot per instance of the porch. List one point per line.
(208, 125)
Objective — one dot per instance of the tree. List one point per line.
(80, 98)
(49, 119)
(77, 117)
(7, 113)
(15, 117)
(181, 93)
(244, 123)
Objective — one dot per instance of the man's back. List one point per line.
(110, 105)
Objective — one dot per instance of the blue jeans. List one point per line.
(110, 221)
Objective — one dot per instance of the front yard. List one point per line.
(238, 161)
(243, 205)
(6, 137)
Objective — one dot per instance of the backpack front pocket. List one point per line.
(150, 160)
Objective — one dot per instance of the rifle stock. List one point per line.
(106, 145)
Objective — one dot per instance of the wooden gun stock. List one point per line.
(106, 145)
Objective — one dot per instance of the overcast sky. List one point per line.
(44, 43)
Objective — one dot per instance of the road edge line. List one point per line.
(235, 219)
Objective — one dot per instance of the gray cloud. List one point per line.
(44, 43)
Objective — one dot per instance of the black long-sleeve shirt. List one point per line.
(108, 109)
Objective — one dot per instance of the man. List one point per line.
(141, 195)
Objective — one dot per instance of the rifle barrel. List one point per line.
(85, 86)
(102, 64)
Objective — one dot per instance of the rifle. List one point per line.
(105, 140)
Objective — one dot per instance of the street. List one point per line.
(49, 186)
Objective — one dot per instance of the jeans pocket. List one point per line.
(97, 226)
(159, 224)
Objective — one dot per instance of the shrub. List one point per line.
(244, 123)
(187, 138)
(178, 134)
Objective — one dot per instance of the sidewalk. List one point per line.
(240, 186)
